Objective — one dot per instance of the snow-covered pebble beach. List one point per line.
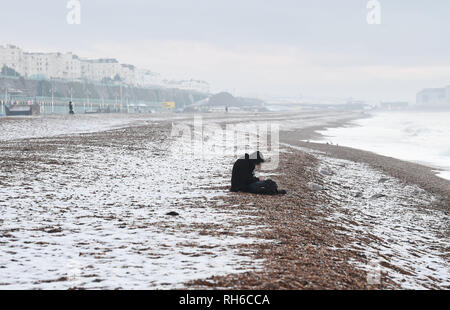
(87, 206)
(394, 225)
(90, 211)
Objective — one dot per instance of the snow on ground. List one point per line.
(13, 128)
(400, 233)
(25, 127)
(90, 210)
(90, 213)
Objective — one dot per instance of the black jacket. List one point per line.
(243, 174)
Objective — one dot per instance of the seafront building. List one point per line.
(68, 66)
(434, 97)
(394, 105)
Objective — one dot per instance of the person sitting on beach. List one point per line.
(243, 177)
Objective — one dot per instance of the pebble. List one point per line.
(315, 187)
(358, 195)
(172, 214)
(377, 196)
(325, 172)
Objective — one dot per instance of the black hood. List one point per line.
(255, 158)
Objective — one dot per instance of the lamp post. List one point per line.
(88, 93)
(121, 97)
(53, 100)
(6, 100)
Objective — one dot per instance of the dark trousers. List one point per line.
(256, 187)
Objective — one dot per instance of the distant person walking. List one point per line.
(71, 108)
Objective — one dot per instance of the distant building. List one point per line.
(51, 65)
(434, 97)
(148, 78)
(352, 104)
(71, 67)
(101, 69)
(128, 74)
(12, 57)
(398, 105)
(191, 84)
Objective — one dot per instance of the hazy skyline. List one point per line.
(316, 48)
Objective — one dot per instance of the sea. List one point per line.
(420, 137)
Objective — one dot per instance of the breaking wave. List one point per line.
(422, 137)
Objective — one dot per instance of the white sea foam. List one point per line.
(422, 137)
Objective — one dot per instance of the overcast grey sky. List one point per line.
(321, 48)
